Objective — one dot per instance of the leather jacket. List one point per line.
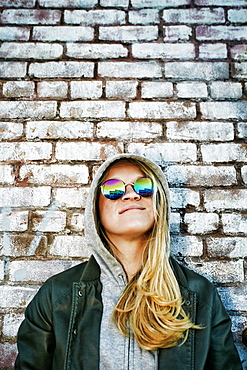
(62, 325)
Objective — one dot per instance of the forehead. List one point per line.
(124, 167)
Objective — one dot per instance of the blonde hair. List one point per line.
(150, 307)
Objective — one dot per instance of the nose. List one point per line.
(130, 193)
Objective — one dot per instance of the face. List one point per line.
(132, 216)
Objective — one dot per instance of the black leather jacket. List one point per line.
(62, 325)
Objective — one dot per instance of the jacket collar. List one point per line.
(91, 271)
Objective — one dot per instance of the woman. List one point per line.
(131, 306)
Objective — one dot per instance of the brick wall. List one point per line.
(81, 80)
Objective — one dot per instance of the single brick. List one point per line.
(6, 175)
(121, 89)
(17, 3)
(221, 33)
(54, 174)
(150, 90)
(25, 197)
(234, 224)
(14, 33)
(227, 247)
(175, 221)
(234, 294)
(226, 90)
(225, 199)
(13, 69)
(53, 89)
(17, 296)
(221, 2)
(67, 3)
(224, 110)
(71, 197)
(25, 151)
(86, 89)
(10, 130)
(14, 221)
(23, 245)
(182, 198)
(77, 222)
(144, 16)
(128, 33)
(62, 69)
(95, 109)
(94, 17)
(186, 246)
(115, 3)
(239, 70)
(30, 16)
(213, 51)
(87, 151)
(11, 323)
(129, 69)
(192, 90)
(239, 52)
(96, 51)
(59, 130)
(163, 51)
(201, 223)
(70, 246)
(237, 15)
(242, 130)
(28, 109)
(30, 50)
(17, 89)
(197, 70)
(177, 33)
(128, 130)
(244, 173)
(165, 152)
(159, 3)
(45, 221)
(225, 152)
(194, 175)
(63, 33)
(162, 110)
(194, 15)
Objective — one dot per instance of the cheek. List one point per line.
(104, 211)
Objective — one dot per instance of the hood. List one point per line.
(93, 241)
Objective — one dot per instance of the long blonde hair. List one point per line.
(150, 307)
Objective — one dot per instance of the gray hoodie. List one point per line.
(116, 351)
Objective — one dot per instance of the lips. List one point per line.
(130, 208)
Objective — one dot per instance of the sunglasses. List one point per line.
(114, 189)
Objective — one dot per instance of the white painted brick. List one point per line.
(22, 245)
(10, 130)
(192, 90)
(225, 152)
(62, 69)
(13, 69)
(236, 294)
(44, 221)
(121, 89)
(144, 16)
(221, 2)
(54, 89)
(14, 33)
(86, 89)
(117, 3)
(163, 51)
(128, 33)
(244, 173)
(165, 152)
(186, 246)
(77, 222)
(194, 15)
(239, 51)
(162, 110)
(87, 151)
(201, 130)
(54, 174)
(239, 70)
(71, 197)
(68, 3)
(129, 69)
(182, 198)
(30, 50)
(129, 130)
(28, 109)
(225, 199)
(25, 197)
(17, 297)
(59, 130)
(11, 323)
(226, 90)
(194, 175)
(1, 270)
(25, 151)
(17, 3)
(227, 247)
(95, 109)
(14, 221)
(242, 130)
(17, 89)
(234, 224)
(224, 110)
(221, 33)
(201, 223)
(70, 246)
(6, 174)
(197, 70)
(177, 33)
(213, 51)
(30, 16)
(159, 3)
(175, 223)
(63, 33)
(37, 271)
(96, 51)
(94, 17)
(151, 90)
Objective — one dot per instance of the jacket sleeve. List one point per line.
(35, 340)
(223, 354)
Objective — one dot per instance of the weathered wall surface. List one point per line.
(81, 80)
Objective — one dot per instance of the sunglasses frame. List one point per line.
(129, 183)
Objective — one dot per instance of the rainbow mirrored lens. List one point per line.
(114, 189)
